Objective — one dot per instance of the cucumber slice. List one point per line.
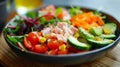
(78, 45)
(85, 34)
(108, 36)
(96, 31)
(101, 43)
(109, 28)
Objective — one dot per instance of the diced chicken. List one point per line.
(57, 30)
(62, 24)
(46, 31)
(73, 29)
(62, 31)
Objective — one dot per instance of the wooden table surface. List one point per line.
(9, 59)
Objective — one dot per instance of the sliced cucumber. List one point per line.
(109, 28)
(101, 43)
(78, 45)
(108, 36)
(96, 31)
(85, 34)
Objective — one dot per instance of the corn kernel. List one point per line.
(76, 35)
(46, 36)
(42, 40)
(62, 47)
(106, 31)
(98, 38)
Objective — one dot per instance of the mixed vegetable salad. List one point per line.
(59, 31)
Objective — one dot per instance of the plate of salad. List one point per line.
(66, 35)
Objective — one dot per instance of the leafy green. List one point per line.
(8, 31)
(96, 12)
(58, 10)
(41, 13)
(31, 14)
(75, 10)
(13, 40)
(18, 38)
(43, 20)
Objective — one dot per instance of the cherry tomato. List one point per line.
(61, 52)
(40, 48)
(54, 44)
(48, 16)
(60, 15)
(33, 38)
(27, 43)
(52, 37)
(53, 52)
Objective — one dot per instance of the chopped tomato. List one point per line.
(52, 37)
(60, 15)
(61, 52)
(54, 44)
(27, 43)
(48, 16)
(33, 38)
(40, 48)
(53, 52)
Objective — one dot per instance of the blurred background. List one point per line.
(22, 6)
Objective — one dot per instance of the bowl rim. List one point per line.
(73, 54)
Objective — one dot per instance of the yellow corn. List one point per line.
(42, 40)
(46, 36)
(76, 35)
(106, 31)
(98, 38)
(62, 47)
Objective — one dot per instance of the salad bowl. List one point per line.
(67, 59)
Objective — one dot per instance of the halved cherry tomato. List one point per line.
(53, 52)
(33, 38)
(40, 48)
(61, 52)
(27, 44)
(54, 44)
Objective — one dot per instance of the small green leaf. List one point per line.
(31, 14)
(43, 20)
(75, 10)
(12, 40)
(41, 13)
(58, 10)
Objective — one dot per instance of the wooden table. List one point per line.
(9, 59)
